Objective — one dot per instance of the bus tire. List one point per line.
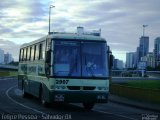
(43, 101)
(88, 106)
(24, 94)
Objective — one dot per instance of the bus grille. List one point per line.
(89, 88)
(73, 87)
(80, 88)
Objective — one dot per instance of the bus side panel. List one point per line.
(35, 87)
(46, 93)
(22, 71)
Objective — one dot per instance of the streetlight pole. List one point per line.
(51, 6)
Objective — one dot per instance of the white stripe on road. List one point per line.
(21, 103)
(45, 113)
(6, 79)
(104, 112)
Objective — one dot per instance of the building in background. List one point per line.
(117, 64)
(142, 50)
(1, 56)
(130, 60)
(143, 47)
(157, 51)
(8, 58)
(137, 56)
(149, 59)
(120, 64)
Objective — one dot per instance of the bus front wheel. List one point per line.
(43, 101)
(88, 106)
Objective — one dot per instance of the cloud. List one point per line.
(120, 20)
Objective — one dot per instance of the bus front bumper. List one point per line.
(79, 96)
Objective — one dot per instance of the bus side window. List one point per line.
(20, 56)
(32, 53)
(43, 50)
(40, 51)
(24, 55)
(28, 53)
(36, 52)
(48, 44)
(20, 52)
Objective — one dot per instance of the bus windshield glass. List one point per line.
(80, 59)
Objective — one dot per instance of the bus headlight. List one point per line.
(60, 87)
(101, 88)
(101, 97)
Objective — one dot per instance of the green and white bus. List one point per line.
(65, 67)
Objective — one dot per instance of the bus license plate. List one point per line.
(59, 98)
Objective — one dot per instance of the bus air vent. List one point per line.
(89, 88)
(73, 87)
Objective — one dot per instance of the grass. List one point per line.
(8, 73)
(151, 84)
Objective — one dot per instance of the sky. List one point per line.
(120, 21)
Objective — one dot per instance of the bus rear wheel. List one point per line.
(88, 106)
(24, 94)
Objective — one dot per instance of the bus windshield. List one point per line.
(80, 59)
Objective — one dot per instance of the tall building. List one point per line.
(130, 60)
(1, 56)
(157, 51)
(8, 58)
(143, 46)
(142, 49)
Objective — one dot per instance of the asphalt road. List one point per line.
(14, 107)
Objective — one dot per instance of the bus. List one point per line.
(67, 68)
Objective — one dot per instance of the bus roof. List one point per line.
(69, 36)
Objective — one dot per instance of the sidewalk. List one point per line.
(134, 103)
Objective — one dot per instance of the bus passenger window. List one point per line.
(48, 42)
(43, 50)
(24, 55)
(32, 53)
(21, 55)
(40, 51)
(28, 53)
(36, 52)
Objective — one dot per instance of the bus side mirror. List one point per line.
(48, 56)
(110, 61)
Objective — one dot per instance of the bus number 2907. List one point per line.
(62, 81)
